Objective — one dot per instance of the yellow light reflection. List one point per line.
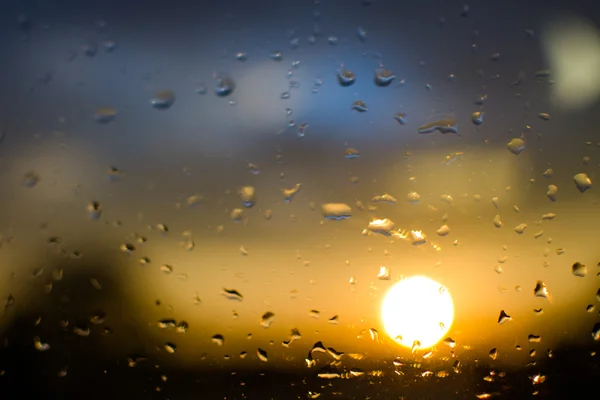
(417, 312)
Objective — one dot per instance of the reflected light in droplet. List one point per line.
(417, 309)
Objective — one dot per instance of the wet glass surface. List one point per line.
(302, 199)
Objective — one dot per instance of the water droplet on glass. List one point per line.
(383, 77)
(413, 197)
(302, 129)
(579, 270)
(224, 87)
(89, 49)
(552, 191)
(516, 146)
(384, 198)
(241, 56)
(163, 99)
(493, 354)
(336, 211)
(248, 196)
(201, 89)
(596, 332)
(276, 55)
(346, 77)
(267, 319)
(94, 210)
(520, 229)
(39, 346)
(351, 153)
(383, 226)
(481, 100)
(534, 338)
(401, 118)
(544, 116)
(127, 248)
(503, 318)
(104, 115)
(285, 95)
(477, 117)
(443, 230)
(170, 348)
(442, 126)
(262, 355)
(30, 179)
(359, 106)
(582, 182)
(362, 34)
(541, 290)
(218, 339)
(288, 194)
(332, 40)
(232, 294)
(384, 273)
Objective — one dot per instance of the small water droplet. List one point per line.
(336, 211)
(383, 226)
(516, 146)
(163, 99)
(413, 198)
(89, 49)
(285, 95)
(218, 339)
(552, 191)
(241, 56)
(276, 55)
(39, 346)
(267, 319)
(520, 229)
(127, 248)
(497, 221)
(442, 126)
(596, 332)
(544, 116)
(534, 338)
(579, 270)
(248, 196)
(232, 294)
(345, 77)
(477, 117)
(384, 273)
(541, 290)
(400, 118)
(384, 77)
(359, 106)
(104, 115)
(288, 194)
(224, 87)
(94, 210)
(262, 355)
(30, 179)
(504, 317)
(443, 230)
(582, 182)
(332, 40)
(170, 348)
(362, 34)
(493, 354)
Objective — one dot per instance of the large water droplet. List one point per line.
(248, 196)
(384, 77)
(477, 117)
(541, 290)
(516, 146)
(442, 126)
(346, 77)
(336, 211)
(267, 319)
(504, 317)
(552, 191)
(443, 230)
(163, 99)
(520, 229)
(582, 182)
(383, 226)
(596, 331)
(224, 87)
(579, 270)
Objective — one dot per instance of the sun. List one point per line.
(417, 312)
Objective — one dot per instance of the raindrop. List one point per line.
(579, 270)
(276, 55)
(534, 338)
(334, 320)
(548, 216)
(288, 194)
(94, 210)
(493, 354)
(548, 173)
(383, 77)
(127, 248)
(248, 195)
(362, 34)
(359, 106)
(582, 182)
(464, 12)
(551, 193)
(336, 211)
(544, 116)
(495, 57)
(442, 126)
(503, 318)
(541, 290)
(95, 283)
(262, 355)
(332, 40)
(516, 146)
(82, 330)
(224, 87)
(218, 339)
(383, 226)
(477, 117)
(596, 332)
(104, 115)
(384, 273)
(201, 89)
(497, 221)
(384, 198)
(285, 95)
(543, 73)
(39, 346)
(163, 99)
(232, 294)
(241, 56)
(109, 46)
(401, 118)
(170, 347)
(520, 229)
(443, 230)
(481, 100)
(267, 319)
(346, 77)
(30, 179)
(413, 197)
(89, 49)
(236, 214)
(351, 153)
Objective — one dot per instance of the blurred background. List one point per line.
(198, 197)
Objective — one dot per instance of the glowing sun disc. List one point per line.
(417, 309)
